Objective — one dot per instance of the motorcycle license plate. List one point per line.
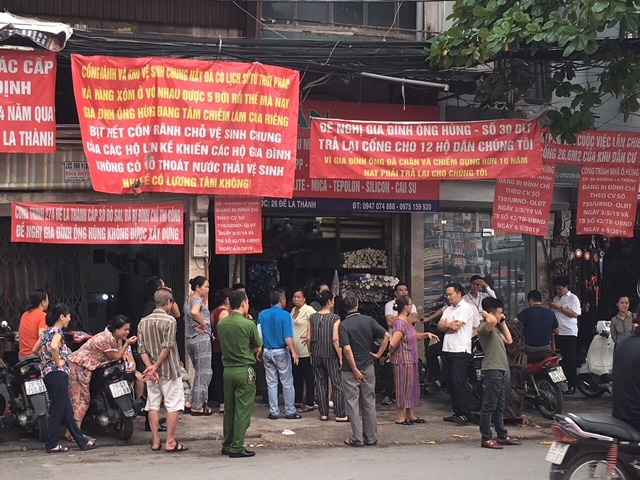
(556, 453)
(557, 375)
(33, 387)
(120, 389)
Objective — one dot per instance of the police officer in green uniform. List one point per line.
(241, 345)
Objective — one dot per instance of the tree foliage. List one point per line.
(566, 36)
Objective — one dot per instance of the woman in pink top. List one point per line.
(403, 349)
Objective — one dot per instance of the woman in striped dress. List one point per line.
(326, 356)
(404, 357)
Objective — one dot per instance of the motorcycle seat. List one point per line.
(27, 361)
(537, 357)
(605, 425)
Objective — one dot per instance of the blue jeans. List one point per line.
(277, 364)
(494, 385)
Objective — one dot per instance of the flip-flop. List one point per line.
(90, 446)
(58, 449)
(207, 412)
(177, 449)
(418, 420)
(351, 443)
(156, 449)
(406, 422)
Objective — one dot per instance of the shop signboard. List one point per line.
(238, 223)
(523, 205)
(121, 224)
(27, 102)
(314, 205)
(609, 179)
(187, 126)
(414, 151)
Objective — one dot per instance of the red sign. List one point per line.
(524, 205)
(238, 223)
(357, 188)
(27, 102)
(607, 200)
(97, 224)
(593, 147)
(425, 151)
(186, 126)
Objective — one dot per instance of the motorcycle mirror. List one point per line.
(4, 324)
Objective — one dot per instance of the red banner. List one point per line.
(593, 147)
(608, 200)
(186, 126)
(27, 102)
(524, 205)
(425, 151)
(238, 223)
(97, 224)
(354, 187)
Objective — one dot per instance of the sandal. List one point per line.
(207, 412)
(351, 443)
(177, 448)
(91, 445)
(406, 422)
(156, 449)
(58, 449)
(418, 420)
(342, 419)
(305, 409)
(323, 418)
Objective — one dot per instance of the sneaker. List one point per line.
(461, 420)
(386, 401)
(450, 418)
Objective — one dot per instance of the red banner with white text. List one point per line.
(27, 102)
(524, 205)
(85, 224)
(187, 126)
(425, 151)
(238, 222)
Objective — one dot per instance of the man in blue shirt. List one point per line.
(539, 323)
(277, 337)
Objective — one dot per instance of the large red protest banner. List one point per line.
(238, 223)
(425, 151)
(357, 188)
(524, 205)
(187, 126)
(97, 224)
(27, 102)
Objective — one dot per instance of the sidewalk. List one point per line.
(310, 431)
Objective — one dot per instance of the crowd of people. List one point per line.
(319, 360)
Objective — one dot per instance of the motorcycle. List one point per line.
(545, 383)
(112, 402)
(593, 446)
(28, 397)
(594, 376)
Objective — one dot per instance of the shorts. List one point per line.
(170, 391)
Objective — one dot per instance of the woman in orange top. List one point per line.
(33, 322)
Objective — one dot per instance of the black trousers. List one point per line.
(60, 411)
(388, 381)
(568, 346)
(303, 377)
(216, 387)
(455, 366)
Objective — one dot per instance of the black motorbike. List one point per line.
(112, 402)
(28, 397)
(593, 446)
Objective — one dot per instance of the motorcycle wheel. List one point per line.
(551, 400)
(588, 388)
(595, 466)
(42, 424)
(124, 427)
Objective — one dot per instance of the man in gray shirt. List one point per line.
(357, 333)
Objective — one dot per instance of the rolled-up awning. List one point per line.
(50, 35)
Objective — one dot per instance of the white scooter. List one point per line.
(594, 376)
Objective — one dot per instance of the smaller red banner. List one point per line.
(607, 200)
(424, 151)
(523, 206)
(593, 148)
(68, 223)
(27, 102)
(238, 222)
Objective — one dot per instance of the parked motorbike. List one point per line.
(594, 376)
(545, 382)
(112, 402)
(28, 397)
(593, 446)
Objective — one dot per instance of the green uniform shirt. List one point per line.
(495, 353)
(238, 337)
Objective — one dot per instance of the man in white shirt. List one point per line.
(458, 322)
(478, 291)
(400, 290)
(566, 307)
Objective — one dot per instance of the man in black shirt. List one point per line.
(626, 379)
(357, 333)
(539, 324)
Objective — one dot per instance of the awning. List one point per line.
(50, 35)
